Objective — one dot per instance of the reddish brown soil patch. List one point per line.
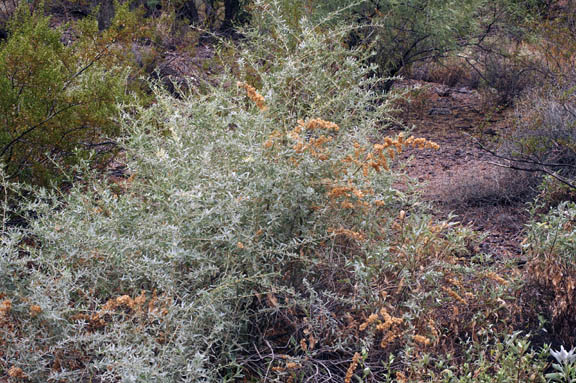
(458, 178)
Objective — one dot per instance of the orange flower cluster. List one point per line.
(350, 197)
(353, 366)
(126, 301)
(313, 145)
(432, 327)
(95, 321)
(386, 323)
(312, 137)
(401, 377)
(422, 340)
(139, 305)
(5, 308)
(348, 234)
(16, 373)
(253, 95)
(35, 310)
(496, 278)
(455, 282)
(371, 319)
(363, 159)
(272, 138)
(454, 295)
(340, 191)
(289, 365)
(311, 340)
(392, 327)
(348, 192)
(318, 124)
(377, 158)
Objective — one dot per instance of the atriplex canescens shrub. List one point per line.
(156, 284)
(258, 205)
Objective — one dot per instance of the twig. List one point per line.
(541, 166)
(36, 126)
(546, 171)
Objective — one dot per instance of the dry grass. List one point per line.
(481, 184)
(452, 71)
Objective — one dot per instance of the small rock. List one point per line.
(439, 112)
(464, 90)
(442, 91)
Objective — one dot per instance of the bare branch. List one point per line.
(540, 170)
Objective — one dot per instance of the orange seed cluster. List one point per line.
(313, 145)
(353, 366)
(371, 319)
(392, 327)
(349, 197)
(454, 295)
(421, 340)
(35, 310)
(139, 305)
(347, 233)
(318, 124)
(496, 278)
(16, 372)
(272, 138)
(5, 308)
(253, 95)
(377, 158)
(386, 324)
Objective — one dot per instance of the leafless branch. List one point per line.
(540, 170)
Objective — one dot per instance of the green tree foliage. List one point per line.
(543, 136)
(402, 32)
(56, 99)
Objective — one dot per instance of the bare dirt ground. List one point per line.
(458, 178)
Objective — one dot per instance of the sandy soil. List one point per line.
(459, 178)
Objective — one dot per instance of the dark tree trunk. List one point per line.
(231, 11)
(189, 11)
(106, 14)
(389, 82)
(210, 13)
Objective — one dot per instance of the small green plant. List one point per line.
(565, 368)
(509, 359)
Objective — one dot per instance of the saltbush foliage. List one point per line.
(258, 236)
(158, 283)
